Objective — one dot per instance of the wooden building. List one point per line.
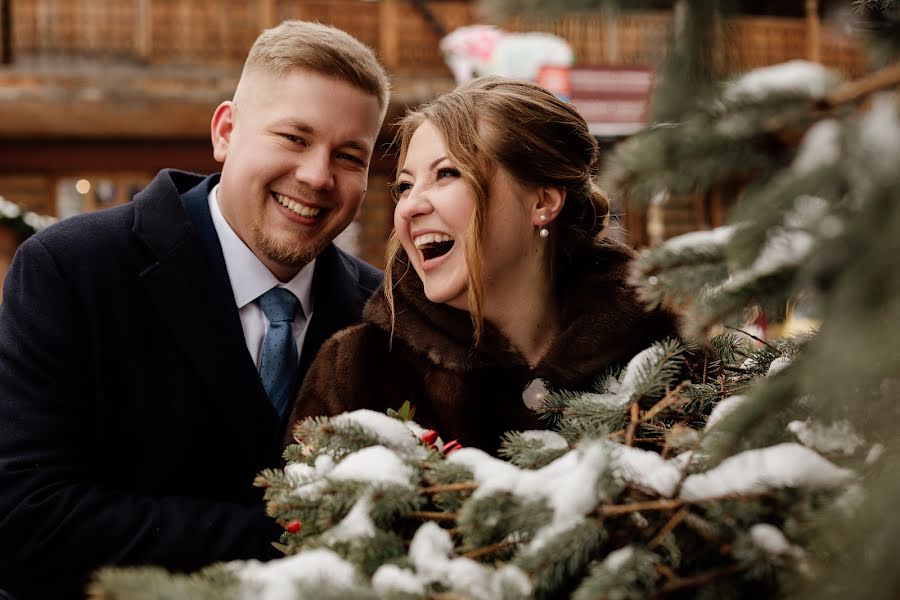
(103, 93)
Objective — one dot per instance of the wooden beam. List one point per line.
(389, 33)
(143, 30)
(813, 27)
(75, 118)
(267, 14)
(68, 158)
(6, 54)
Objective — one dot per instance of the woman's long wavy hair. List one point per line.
(538, 139)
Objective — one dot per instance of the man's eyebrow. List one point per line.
(308, 129)
(357, 145)
(433, 164)
(298, 125)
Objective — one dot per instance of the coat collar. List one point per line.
(602, 322)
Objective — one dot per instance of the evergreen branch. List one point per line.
(636, 440)
(683, 583)
(492, 549)
(612, 510)
(666, 571)
(852, 91)
(632, 424)
(671, 397)
(649, 440)
(463, 486)
(431, 515)
(562, 558)
(701, 527)
(672, 523)
(655, 375)
(750, 335)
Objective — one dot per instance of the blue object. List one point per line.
(279, 359)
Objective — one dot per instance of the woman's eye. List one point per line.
(403, 187)
(447, 172)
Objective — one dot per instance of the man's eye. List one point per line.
(294, 139)
(446, 172)
(352, 158)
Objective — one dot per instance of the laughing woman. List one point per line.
(499, 282)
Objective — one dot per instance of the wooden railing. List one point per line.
(219, 32)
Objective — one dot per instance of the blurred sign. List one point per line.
(477, 50)
(613, 100)
(556, 80)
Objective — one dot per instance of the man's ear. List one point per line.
(550, 201)
(221, 128)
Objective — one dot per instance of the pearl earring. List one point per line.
(543, 232)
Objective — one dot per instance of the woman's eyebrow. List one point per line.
(433, 164)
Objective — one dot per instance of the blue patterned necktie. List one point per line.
(279, 359)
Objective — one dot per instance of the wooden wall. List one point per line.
(219, 32)
(167, 63)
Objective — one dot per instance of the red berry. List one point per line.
(451, 446)
(430, 436)
(294, 525)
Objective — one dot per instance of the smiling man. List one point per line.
(149, 353)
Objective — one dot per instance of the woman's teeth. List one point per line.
(433, 245)
(300, 209)
(431, 238)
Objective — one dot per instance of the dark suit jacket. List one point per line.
(132, 418)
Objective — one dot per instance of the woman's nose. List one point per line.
(413, 204)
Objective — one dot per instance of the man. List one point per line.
(144, 380)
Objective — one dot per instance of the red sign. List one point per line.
(614, 100)
(557, 80)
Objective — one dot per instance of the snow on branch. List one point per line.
(765, 469)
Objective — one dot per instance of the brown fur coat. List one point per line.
(476, 395)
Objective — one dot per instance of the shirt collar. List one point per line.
(249, 276)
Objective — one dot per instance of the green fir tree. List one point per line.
(720, 467)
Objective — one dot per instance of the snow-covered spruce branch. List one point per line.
(539, 529)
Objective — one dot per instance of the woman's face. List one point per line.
(432, 218)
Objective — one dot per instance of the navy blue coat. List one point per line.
(132, 418)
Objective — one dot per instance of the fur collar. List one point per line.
(602, 321)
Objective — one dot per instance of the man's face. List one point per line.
(296, 154)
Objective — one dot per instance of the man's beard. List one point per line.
(294, 255)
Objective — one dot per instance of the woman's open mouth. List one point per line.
(433, 245)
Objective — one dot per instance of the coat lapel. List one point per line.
(189, 285)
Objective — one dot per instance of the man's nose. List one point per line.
(314, 169)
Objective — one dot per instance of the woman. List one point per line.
(499, 284)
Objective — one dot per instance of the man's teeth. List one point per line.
(303, 211)
(431, 238)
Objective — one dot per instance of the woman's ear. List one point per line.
(550, 201)
(221, 128)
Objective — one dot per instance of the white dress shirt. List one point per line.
(250, 279)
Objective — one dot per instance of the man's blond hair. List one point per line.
(322, 49)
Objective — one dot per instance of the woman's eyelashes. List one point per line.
(446, 172)
(403, 187)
